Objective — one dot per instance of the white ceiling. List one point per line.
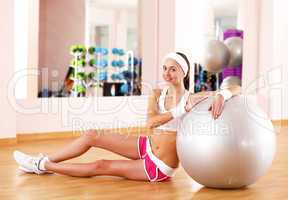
(225, 8)
(112, 4)
(221, 8)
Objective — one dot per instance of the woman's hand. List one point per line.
(194, 99)
(217, 106)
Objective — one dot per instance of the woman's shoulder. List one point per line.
(156, 92)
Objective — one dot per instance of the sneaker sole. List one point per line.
(25, 170)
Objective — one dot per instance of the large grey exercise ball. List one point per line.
(230, 81)
(216, 56)
(231, 152)
(235, 46)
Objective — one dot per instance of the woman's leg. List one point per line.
(121, 144)
(130, 169)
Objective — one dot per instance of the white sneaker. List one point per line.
(29, 164)
(23, 169)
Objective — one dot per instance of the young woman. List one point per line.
(152, 157)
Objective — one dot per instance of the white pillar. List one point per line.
(7, 117)
(250, 23)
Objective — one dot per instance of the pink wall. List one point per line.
(250, 24)
(7, 117)
(157, 37)
(149, 43)
(278, 74)
(166, 32)
(62, 23)
(266, 54)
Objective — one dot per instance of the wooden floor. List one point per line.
(14, 185)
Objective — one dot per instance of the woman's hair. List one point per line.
(187, 77)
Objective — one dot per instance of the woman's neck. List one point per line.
(179, 90)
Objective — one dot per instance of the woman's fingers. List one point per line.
(221, 109)
(193, 101)
(212, 109)
(218, 109)
(216, 113)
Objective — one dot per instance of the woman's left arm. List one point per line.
(220, 97)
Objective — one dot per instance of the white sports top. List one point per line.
(174, 123)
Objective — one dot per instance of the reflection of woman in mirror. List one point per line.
(152, 156)
(68, 82)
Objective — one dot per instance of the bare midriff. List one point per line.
(163, 144)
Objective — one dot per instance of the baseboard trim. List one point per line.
(281, 123)
(8, 141)
(28, 137)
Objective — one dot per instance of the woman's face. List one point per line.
(172, 72)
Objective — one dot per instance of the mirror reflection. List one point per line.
(94, 52)
(222, 62)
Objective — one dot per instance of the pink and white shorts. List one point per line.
(156, 170)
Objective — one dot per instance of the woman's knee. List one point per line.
(91, 137)
(101, 166)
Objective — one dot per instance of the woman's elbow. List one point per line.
(149, 124)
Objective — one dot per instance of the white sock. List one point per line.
(42, 163)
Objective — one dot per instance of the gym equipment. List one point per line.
(121, 52)
(98, 63)
(235, 46)
(135, 61)
(91, 50)
(79, 88)
(102, 76)
(80, 76)
(104, 51)
(78, 63)
(127, 75)
(120, 63)
(98, 50)
(117, 76)
(125, 88)
(232, 151)
(229, 81)
(115, 51)
(77, 50)
(114, 63)
(216, 56)
(98, 59)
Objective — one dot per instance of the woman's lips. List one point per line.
(167, 79)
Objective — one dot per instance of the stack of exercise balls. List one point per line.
(234, 150)
(216, 56)
(232, 74)
(225, 57)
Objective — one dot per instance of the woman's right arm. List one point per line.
(154, 118)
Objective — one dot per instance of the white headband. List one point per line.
(179, 59)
